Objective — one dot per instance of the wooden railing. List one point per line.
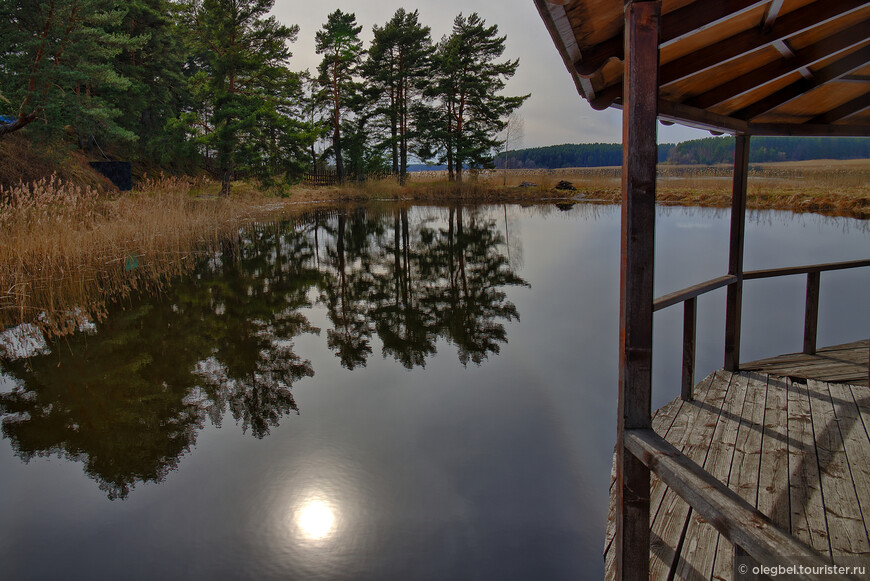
(688, 296)
(813, 272)
(751, 532)
(737, 520)
(329, 177)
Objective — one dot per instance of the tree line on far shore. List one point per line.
(708, 151)
(206, 84)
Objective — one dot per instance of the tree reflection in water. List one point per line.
(129, 400)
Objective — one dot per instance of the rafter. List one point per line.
(790, 24)
(798, 20)
(839, 68)
(804, 57)
(675, 25)
(843, 111)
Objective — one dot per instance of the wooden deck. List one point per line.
(842, 363)
(796, 449)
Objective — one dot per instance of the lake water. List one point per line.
(423, 393)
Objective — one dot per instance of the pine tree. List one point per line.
(398, 66)
(158, 87)
(462, 128)
(57, 59)
(339, 43)
(243, 54)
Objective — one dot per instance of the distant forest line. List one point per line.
(708, 151)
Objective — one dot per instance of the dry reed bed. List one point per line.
(69, 249)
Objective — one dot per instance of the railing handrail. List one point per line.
(737, 520)
(789, 270)
(689, 296)
(693, 291)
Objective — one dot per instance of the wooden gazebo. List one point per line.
(744, 67)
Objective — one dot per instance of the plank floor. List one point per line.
(798, 449)
(843, 364)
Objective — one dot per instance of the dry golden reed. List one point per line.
(68, 249)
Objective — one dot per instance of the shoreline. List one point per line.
(70, 250)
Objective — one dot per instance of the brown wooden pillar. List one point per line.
(640, 108)
(734, 301)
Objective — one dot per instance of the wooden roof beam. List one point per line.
(804, 57)
(843, 111)
(675, 25)
(809, 130)
(748, 41)
(700, 118)
(751, 40)
(556, 20)
(833, 71)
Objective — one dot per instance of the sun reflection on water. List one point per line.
(315, 519)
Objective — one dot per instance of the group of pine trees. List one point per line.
(190, 84)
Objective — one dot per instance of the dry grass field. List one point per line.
(833, 187)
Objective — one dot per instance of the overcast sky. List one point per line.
(554, 114)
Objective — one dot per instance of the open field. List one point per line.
(833, 187)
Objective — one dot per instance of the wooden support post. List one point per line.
(690, 320)
(811, 320)
(640, 102)
(734, 301)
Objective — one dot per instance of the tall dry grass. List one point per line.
(67, 249)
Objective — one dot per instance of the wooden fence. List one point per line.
(329, 177)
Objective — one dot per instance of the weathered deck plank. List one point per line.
(695, 444)
(856, 444)
(698, 554)
(746, 462)
(808, 522)
(845, 363)
(767, 437)
(773, 479)
(845, 526)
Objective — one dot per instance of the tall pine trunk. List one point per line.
(336, 146)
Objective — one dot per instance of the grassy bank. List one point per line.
(830, 187)
(69, 249)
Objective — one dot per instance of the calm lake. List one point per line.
(376, 394)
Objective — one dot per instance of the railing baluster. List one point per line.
(690, 320)
(811, 321)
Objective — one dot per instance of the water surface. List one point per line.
(424, 393)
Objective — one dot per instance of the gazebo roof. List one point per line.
(756, 67)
